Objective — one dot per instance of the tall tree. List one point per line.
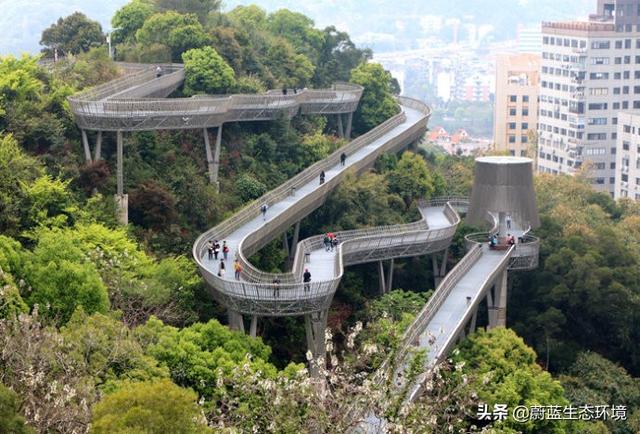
(129, 19)
(72, 35)
(377, 103)
(201, 8)
(150, 407)
(179, 32)
(206, 72)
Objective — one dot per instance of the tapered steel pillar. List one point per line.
(85, 145)
(236, 322)
(207, 148)
(340, 127)
(122, 200)
(315, 325)
(216, 159)
(254, 326)
(98, 151)
(349, 124)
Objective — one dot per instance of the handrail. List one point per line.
(258, 285)
(120, 103)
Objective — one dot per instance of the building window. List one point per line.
(597, 136)
(602, 45)
(512, 125)
(512, 139)
(525, 112)
(525, 125)
(525, 98)
(513, 98)
(512, 112)
(599, 76)
(524, 139)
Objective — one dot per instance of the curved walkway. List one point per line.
(247, 231)
(137, 102)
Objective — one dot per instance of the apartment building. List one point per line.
(628, 156)
(590, 72)
(515, 114)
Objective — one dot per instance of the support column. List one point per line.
(254, 326)
(501, 286)
(443, 266)
(85, 145)
(383, 289)
(315, 325)
(98, 154)
(285, 245)
(294, 243)
(236, 322)
(207, 148)
(122, 200)
(349, 124)
(491, 310)
(474, 318)
(340, 128)
(390, 276)
(216, 159)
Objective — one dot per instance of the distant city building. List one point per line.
(460, 143)
(590, 72)
(628, 156)
(515, 115)
(476, 88)
(529, 39)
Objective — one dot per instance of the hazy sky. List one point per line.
(22, 21)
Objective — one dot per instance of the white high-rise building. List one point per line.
(590, 72)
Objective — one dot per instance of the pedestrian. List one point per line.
(237, 268)
(334, 242)
(276, 287)
(306, 278)
(331, 240)
(158, 71)
(263, 210)
(284, 90)
(322, 176)
(216, 249)
(343, 158)
(511, 239)
(468, 299)
(221, 269)
(210, 249)
(509, 221)
(225, 250)
(327, 242)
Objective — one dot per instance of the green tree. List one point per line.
(249, 17)
(48, 201)
(377, 103)
(503, 370)
(206, 72)
(298, 30)
(11, 303)
(149, 407)
(11, 422)
(594, 379)
(72, 35)
(290, 69)
(179, 32)
(338, 56)
(201, 8)
(249, 188)
(198, 354)
(61, 278)
(411, 179)
(129, 19)
(18, 169)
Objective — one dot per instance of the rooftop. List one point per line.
(504, 160)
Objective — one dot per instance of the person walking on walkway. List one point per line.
(327, 242)
(221, 268)
(276, 287)
(334, 243)
(343, 158)
(216, 249)
(225, 250)
(322, 176)
(210, 249)
(158, 71)
(509, 221)
(237, 268)
(263, 210)
(306, 278)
